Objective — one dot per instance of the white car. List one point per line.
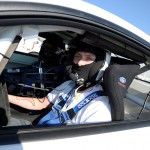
(30, 67)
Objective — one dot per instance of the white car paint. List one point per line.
(129, 139)
(137, 139)
(97, 11)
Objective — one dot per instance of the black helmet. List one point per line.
(91, 73)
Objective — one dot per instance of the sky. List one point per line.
(135, 12)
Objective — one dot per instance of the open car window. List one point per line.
(37, 66)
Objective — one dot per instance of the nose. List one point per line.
(81, 62)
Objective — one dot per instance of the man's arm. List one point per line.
(29, 102)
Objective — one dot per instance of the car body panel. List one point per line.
(113, 137)
(83, 7)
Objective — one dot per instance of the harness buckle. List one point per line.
(64, 118)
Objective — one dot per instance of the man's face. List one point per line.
(84, 58)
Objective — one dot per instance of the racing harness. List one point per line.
(58, 117)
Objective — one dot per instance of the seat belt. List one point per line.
(69, 114)
(63, 101)
(57, 116)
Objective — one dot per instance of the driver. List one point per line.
(80, 100)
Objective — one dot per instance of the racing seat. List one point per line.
(117, 78)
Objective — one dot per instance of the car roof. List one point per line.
(90, 9)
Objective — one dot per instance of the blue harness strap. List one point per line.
(57, 117)
(69, 114)
(63, 101)
(53, 117)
